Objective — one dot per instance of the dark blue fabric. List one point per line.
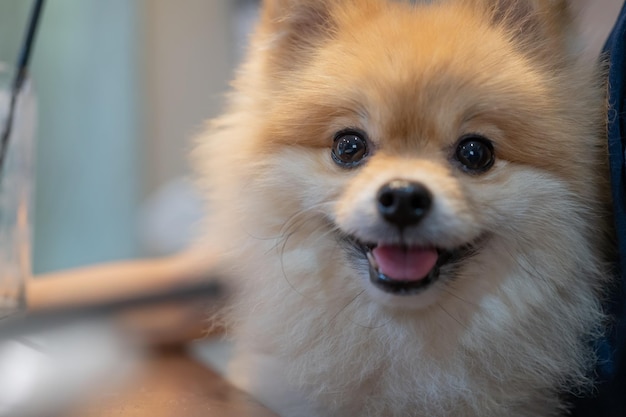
(610, 397)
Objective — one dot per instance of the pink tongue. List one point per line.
(405, 264)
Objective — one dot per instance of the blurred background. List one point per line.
(123, 87)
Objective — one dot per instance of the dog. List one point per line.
(410, 202)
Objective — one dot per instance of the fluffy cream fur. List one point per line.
(512, 330)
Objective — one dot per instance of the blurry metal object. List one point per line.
(17, 135)
(19, 78)
(51, 359)
(45, 373)
(16, 195)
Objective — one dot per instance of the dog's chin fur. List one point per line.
(504, 331)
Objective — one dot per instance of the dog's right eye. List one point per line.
(349, 148)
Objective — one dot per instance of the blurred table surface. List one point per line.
(172, 384)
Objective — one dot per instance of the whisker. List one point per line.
(452, 317)
(334, 317)
(529, 269)
(295, 221)
(458, 297)
(289, 228)
(282, 267)
(372, 327)
(317, 208)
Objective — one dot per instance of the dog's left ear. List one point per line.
(543, 26)
(527, 16)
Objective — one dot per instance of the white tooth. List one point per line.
(370, 257)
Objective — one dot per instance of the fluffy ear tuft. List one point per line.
(538, 24)
(292, 27)
(531, 15)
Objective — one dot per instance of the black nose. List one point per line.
(404, 203)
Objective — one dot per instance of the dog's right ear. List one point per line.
(291, 29)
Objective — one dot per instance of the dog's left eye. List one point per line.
(349, 148)
(475, 153)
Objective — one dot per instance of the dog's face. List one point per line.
(414, 151)
(410, 195)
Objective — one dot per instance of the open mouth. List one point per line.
(406, 269)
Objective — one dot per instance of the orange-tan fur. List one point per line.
(514, 330)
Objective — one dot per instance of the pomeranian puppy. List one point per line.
(409, 198)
